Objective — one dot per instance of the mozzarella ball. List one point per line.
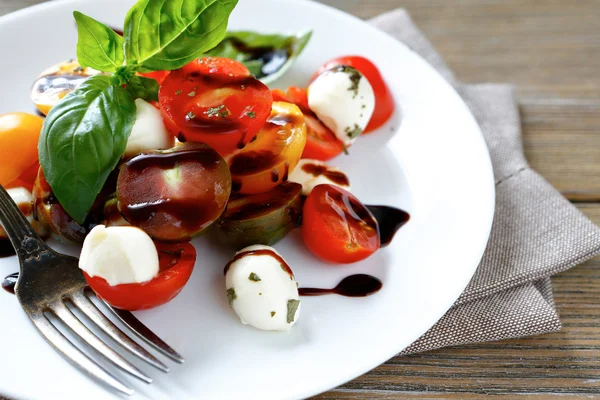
(119, 255)
(344, 101)
(148, 132)
(310, 173)
(261, 289)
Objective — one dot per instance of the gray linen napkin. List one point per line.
(536, 232)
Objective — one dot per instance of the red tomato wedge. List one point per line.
(384, 101)
(176, 264)
(158, 76)
(215, 101)
(337, 227)
(321, 143)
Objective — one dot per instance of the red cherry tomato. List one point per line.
(158, 76)
(216, 101)
(321, 143)
(337, 227)
(176, 262)
(384, 102)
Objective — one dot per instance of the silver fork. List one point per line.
(48, 280)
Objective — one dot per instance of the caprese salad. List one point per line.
(145, 145)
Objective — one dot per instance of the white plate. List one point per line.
(434, 164)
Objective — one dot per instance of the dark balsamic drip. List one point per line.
(168, 258)
(252, 206)
(271, 59)
(337, 177)
(204, 155)
(236, 186)
(6, 248)
(262, 252)
(390, 219)
(359, 285)
(286, 172)
(192, 215)
(275, 175)
(251, 162)
(181, 138)
(9, 282)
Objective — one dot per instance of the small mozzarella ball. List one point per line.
(24, 200)
(119, 254)
(310, 173)
(262, 289)
(344, 101)
(148, 132)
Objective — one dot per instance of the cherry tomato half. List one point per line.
(19, 136)
(176, 264)
(337, 227)
(384, 102)
(216, 101)
(321, 143)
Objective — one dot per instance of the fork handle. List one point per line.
(24, 239)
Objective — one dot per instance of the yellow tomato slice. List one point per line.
(266, 161)
(19, 135)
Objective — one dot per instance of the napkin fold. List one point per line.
(536, 232)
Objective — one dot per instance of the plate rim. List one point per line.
(361, 370)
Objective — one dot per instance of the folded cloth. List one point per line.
(536, 232)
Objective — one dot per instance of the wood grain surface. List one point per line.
(550, 50)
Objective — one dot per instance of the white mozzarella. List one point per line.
(119, 254)
(23, 198)
(344, 101)
(149, 132)
(320, 173)
(261, 291)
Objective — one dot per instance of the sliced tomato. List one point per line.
(267, 160)
(216, 101)
(321, 143)
(384, 101)
(337, 227)
(176, 265)
(19, 136)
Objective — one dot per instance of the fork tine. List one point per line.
(88, 308)
(66, 316)
(74, 355)
(146, 334)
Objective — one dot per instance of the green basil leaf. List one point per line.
(82, 140)
(140, 87)
(98, 46)
(267, 56)
(167, 34)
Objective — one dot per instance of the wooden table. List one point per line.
(550, 49)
